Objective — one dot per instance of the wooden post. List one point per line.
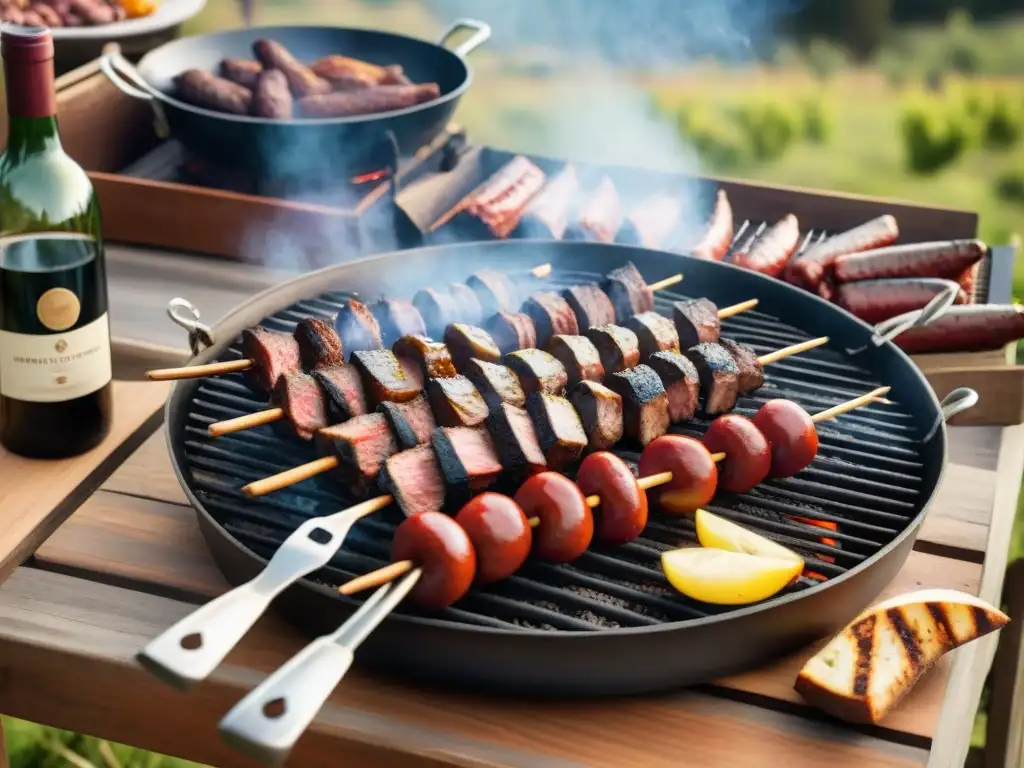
(1004, 737)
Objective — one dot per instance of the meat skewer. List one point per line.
(316, 467)
(717, 237)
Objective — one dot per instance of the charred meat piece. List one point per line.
(501, 200)
(357, 327)
(412, 422)
(273, 355)
(644, 403)
(600, 411)
(397, 318)
(456, 402)
(751, 376)
(301, 79)
(431, 357)
(681, 381)
(719, 377)
(619, 347)
(496, 383)
(319, 344)
(299, 395)
(628, 292)
(465, 342)
(468, 460)
(365, 101)
(437, 308)
(245, 72)
(551, 315)
(343, 392)
(558, 427)
(385, 378)
(495, 291)
(516, 442)
(361, 445)
(205, 90)
(656, 333)
(467, 304)
(590, 304)
(271, 97)
(579, 357)
(538, 371)
(511, 331)
(696, 322)
(413, 477)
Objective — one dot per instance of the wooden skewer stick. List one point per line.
(795, 349)
(668, 281)
(394, 570)
(735, 309)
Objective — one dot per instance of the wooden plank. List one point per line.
(148, 473)
(36, 496)
(1004, 736)
(1000, 393)
(157, 547)
(66, 644)
(1005, 356)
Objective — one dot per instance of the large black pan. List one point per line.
(300, 147)
(860, 485)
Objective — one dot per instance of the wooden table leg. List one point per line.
(1004, 738)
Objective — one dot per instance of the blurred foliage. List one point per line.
(935, 134)
(1009, 186)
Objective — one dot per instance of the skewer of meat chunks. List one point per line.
(644, 413)
(551, 517)
(269, 354)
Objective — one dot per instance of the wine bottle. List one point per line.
(55, 367)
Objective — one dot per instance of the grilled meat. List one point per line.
(656, 333)
(551, 315)
(511, 331)
(696, 322)
(558, 427)
(299, 395)
(456, 402)
(600, 411)
(357, 327)
(751, 376)
(719, 377)
(495, 291)
(413, 477)
(496, 383)
(273, 355)
(619, 347)
(271, 97)
(515, 440)
(199, 87)
(717, 236)
(319, 344)
(681, 381)
(397, 318)
(343, 392)
(590, 304)
(385, 378)
(547, 214)
(466, 342)
(601, 214)
(242, 71)
(365, 101)
(468, 305)
(361, 445)
(628, 292)
(538, 371)
(437, 308)
(579, 357)
(644, 403)
(301, 79)
(412, 421)
(467, 459)
(431, 357)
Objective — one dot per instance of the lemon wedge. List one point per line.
(718, 533)
(727, 578)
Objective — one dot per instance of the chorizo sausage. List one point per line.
(876, 300)
(946, 259)
(271, 97)
(302, 80)
(205, 90)
(815, 265)
(770, 252)
(381, 98)
(717, 237)
(242, 71)
(970, 328)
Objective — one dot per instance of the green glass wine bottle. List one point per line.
(55, 366)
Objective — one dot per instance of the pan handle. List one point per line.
(116, 67)
(959, 400)
(479, 37)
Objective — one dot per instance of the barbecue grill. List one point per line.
(607, 623)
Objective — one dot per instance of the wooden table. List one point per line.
(130, 562)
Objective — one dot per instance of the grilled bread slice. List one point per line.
(871, 665)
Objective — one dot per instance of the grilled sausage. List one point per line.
(302, 80)
(694, 473)
(332, 68)
(500, 534)
(245, 72)
(95, 13)
(948, 260)
(970, 328)
(810, 270)
(748, 456)
(379, 98)
(717, 237)
(205, 90)
(566, 523)
(771, 251)
(876, 300)
(791, 434)
(271, 97)
(395, 75)
(443, 551)
(622, 515)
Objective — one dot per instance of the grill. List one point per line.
(874, 475)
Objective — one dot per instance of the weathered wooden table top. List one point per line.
(130, 562)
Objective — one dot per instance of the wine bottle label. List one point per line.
(56, 367)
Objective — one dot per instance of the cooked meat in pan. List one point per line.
(511, 331)
(343, 392)
(468, 460)
(271, 97)
(301, 79)
(579, 356)
(431, 357)
(538, 371)
(357, 327)
(618, 346)
(497, 383)
(319, 344)
(681, 381)
(397, 318)
(385, 378)
(273, 355)
(205, 90)
(469, 309)
(465, 342)
(656, 333)
(299, 395)
(412, 422)
(644, 403)
(438, 310)
(590, 304)
(365, 101)
(751, 376)
(362, 445)
(719, 377)
(245, 72)
(696, 322)
(515, 440)
(413, 477)
(628, 291)
(600, 411)
(495, 291)
(551, 315)
(456, 402)
(558, 427)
